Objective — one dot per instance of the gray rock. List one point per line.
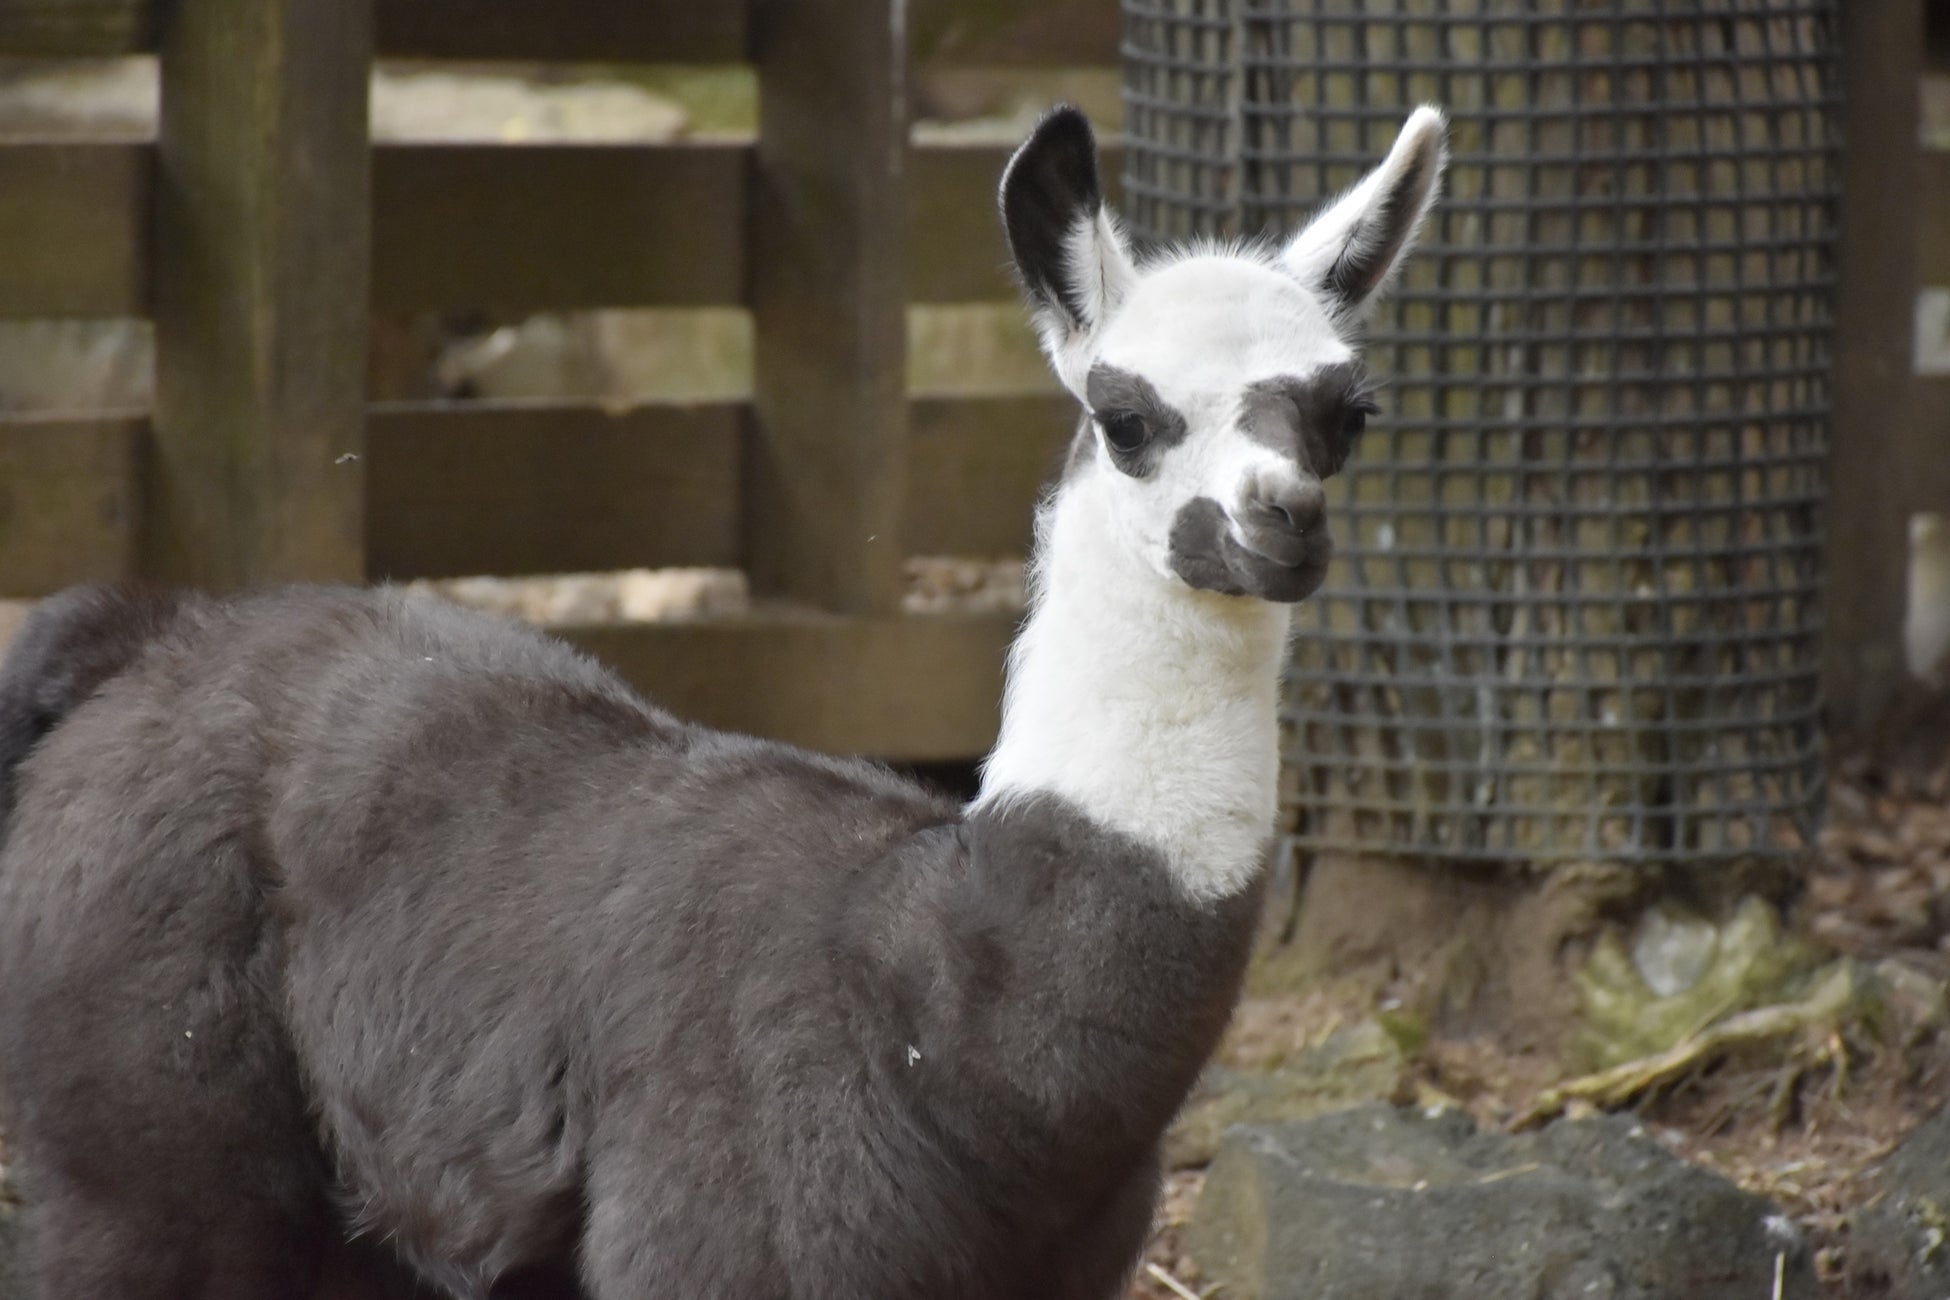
(1382, 1202)
(1899, 1242)
(1360, 1063)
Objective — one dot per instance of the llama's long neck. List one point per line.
(1151, 706)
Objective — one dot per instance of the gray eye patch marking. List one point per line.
(1306, 416)
(1112, 393)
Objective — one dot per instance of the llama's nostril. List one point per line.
(1292, 507)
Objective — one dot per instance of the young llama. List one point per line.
(352, 944)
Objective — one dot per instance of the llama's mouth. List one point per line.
(1206, 555)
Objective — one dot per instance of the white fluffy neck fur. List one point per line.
(1151, 706)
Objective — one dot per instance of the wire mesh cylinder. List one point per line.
(1577, 610)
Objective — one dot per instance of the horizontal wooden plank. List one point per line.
(70, 501)
(513, 228)
(910, 689)
(78, 28)
(955, 239)
(955, 244)
(590, 31)
(1015, 33)
(976, 468)
(539, 227)
(986, 33)
(458, 489)
(546, 227)
(595, 31)
(528, 228)
(75, 223)
(1933, 257)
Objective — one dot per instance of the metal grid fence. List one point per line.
(1578, 610)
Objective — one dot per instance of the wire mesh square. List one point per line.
(1577, 609)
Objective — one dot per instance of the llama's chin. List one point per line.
(1205, 555)
(1259, 578)
(1282, 585)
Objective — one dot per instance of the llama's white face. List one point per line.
(1221, 386)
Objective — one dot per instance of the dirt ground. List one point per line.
(1803, 1131)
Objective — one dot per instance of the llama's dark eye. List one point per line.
(1354, 421)
(1125, 431)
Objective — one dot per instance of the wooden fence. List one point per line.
(244, 230)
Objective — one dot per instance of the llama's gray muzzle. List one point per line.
(1206, 554)
(1279, 516)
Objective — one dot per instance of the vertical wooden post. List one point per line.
(827, 474)
(1868, 503)
(262, 256)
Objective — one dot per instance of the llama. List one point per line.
(349, 935)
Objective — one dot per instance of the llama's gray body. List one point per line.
(339, 929)
(349, 911)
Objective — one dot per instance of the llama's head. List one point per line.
(1222, 384)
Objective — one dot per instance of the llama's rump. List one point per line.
(418, 878)
(71, 644)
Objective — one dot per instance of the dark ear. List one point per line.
(1066, 246)
(1353, 248)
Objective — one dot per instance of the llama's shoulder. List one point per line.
(1075, 897)
(967, 1012)
(1017, 916)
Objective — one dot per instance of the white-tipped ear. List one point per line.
(1351, 250)
(1067, 246)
